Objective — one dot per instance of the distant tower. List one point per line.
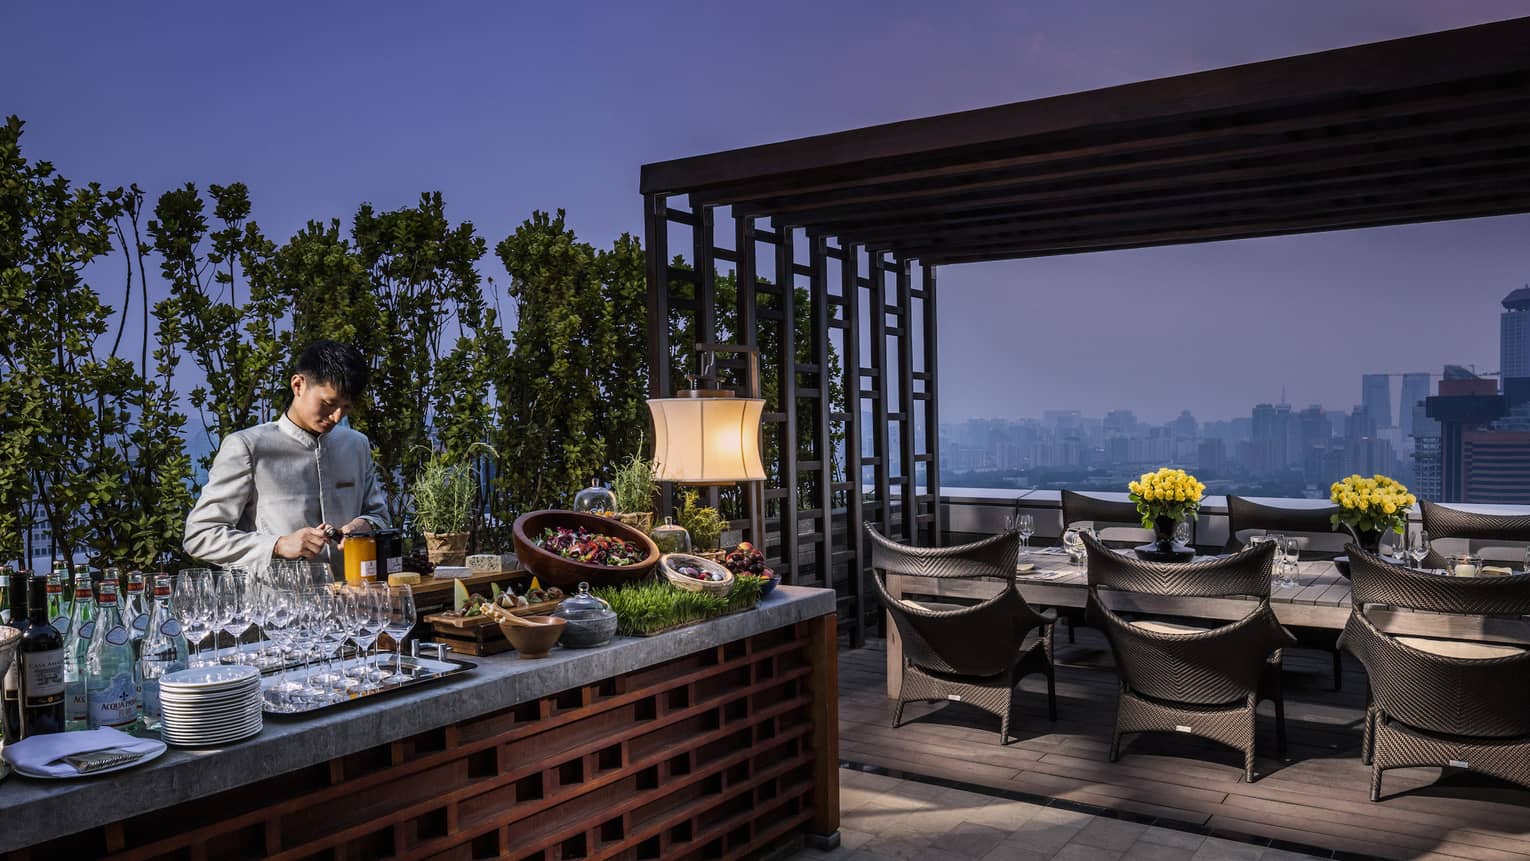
(1376, 398)
(1514, 346)
(1415, 387)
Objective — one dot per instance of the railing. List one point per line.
(972, 512)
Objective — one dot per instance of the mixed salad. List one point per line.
(582, 545)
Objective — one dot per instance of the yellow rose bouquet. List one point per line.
(1370, 506)
(1171, 493)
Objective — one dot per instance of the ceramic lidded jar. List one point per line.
(595, 499)
(590, 621)
(671, 537)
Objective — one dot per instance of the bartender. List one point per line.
(282, 489)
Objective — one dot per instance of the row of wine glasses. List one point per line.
(305, 618)
(1288, 554)
(1024, 524)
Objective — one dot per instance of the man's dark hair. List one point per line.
(336, 363)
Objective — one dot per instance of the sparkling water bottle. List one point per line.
(82, 624)
(111, 674)
(164, 649)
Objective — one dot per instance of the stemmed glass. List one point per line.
(282, 620)
(234, 617)
(1293, 552)
(192, 601)
(400, 621)
(379, 603)
(1025, 524)
(1073, 542)
(262, 584)
(1418, 548)
(1182, 532)
(356, 613)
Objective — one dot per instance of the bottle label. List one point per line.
(61, 624)
(114, 705)
(42, 676)
(74, 701)
(141, 623)
(171, 628)
(369, 569)
(88, 630)
(117, 636)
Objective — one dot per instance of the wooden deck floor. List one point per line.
(1319, 797)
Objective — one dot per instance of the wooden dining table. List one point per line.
(1319, 600)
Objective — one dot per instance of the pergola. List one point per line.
(1425, 128)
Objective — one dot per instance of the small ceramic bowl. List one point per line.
(534, 642)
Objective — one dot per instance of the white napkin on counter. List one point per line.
(44, 754)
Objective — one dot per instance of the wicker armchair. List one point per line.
(1436, 702)
(1116, 523)
(976, 654)
(1187, 678)
(1313, 528)
(1495, 537)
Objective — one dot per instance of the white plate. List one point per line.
(198, 741)
(209, 678)
(237, 731)
(155, 754)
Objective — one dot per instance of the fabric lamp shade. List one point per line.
(707, 440)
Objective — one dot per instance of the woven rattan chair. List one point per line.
(1495, 537)
(1437, 702)
(1116, 523)
(976, 654)
(1310, 526)
(1186, 678)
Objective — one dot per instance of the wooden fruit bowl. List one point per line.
(554, 570)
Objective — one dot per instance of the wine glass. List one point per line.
(1293, 551)
(1182, 532)
(1025, 524)
(1418, 548)
(282, 619)
(358, 615)
(400, 621)
(191, 599)
(234, 615)
(1073, 542)
(378, 604)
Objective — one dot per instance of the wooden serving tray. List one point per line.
(480, 635)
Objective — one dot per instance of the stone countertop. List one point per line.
(41, 810)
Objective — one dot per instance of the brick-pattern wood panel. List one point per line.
(712, 755)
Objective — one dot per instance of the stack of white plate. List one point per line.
(209, 705)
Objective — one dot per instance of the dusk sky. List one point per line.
(508, 107)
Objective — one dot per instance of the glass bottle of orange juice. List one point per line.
(360, 553)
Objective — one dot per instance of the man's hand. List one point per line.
(306, 543)
(359, 526)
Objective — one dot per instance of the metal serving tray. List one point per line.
(422, 670)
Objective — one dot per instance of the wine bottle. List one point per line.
(10, 705)
(41, 656)
(58, 616)
(111, 675)
(82, 624)
(5, 594)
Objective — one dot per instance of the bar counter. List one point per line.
(707, 741)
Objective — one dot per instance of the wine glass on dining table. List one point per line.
(400, 621)
(233, 597)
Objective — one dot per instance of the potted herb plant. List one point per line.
(635, 486)
(444, 494)
(703, 522)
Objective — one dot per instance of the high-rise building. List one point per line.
(1495, 467)
(1376, 398)
(1514, 346)
(1466, 402)
(1415, 387)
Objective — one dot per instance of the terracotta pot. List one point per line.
(448, 548)
(640, 520)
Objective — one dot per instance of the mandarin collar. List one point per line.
(290, 428)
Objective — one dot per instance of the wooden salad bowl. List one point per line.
(554, 570)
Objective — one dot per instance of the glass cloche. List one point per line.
(671, 537)
(595, 499)
(589, 621)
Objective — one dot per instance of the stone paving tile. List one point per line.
(1170, 837)
(1010, 851)
(970, 840)
(1158, 852)
(1114, 834)
(1081, 852)
(1217, 849)
(1003, 814)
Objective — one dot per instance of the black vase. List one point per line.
(1369, 541)
(1163, 532)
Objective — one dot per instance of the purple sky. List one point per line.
(506, 107)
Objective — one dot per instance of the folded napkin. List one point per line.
(1496, 571)
(44, 754)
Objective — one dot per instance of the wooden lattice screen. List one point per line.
(847, 342)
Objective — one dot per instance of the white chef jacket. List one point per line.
(274, 479)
